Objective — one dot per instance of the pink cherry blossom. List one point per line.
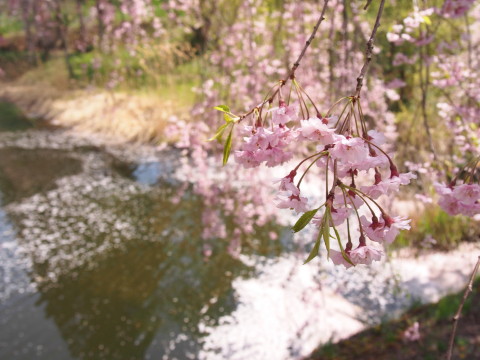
(338, 259)
(413, 332)
(385, 230)
(284, 114)
(461, 199)
(456, 8)
(376, 137)
(264, 145)
(467, 194)
(316, 130)
(450, 204)
(292, 200)
(246, 158)
(286, 183)
(274, 156)
(388, 186)
(338, 215)
(349, 150)
(365, 254)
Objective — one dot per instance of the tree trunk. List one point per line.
(62, 28)
(27, 16)
(81, 20)
(100, 24)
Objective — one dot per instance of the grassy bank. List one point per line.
(387, 341)
(124, 114)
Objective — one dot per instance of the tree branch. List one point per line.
(369, 50)
(367, 4)
(468, 290)
(296, 64)
(309, 41)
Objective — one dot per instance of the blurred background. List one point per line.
(122, 237)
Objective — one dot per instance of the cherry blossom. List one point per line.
(284, 114)
(384, 230)
(350, 150)
(292, 200)
(338, 259)
(365, 254)
(413, 332)
(315, 129)
(388, 186)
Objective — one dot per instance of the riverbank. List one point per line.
(121, 117)
(431, 327)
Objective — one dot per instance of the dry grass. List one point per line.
(121, 116)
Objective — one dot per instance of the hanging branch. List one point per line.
(367, 4)
(468, 290)
(369, 50)
(296, 64)
(309, 41)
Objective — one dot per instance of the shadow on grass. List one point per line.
(386, 341)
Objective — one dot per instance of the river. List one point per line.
(100, 258)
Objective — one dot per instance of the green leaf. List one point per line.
(344, 254)
(304, 220)
(315, 249)
(427, 20)
(326, 230)
(227, 118)
(219, 133)
(228, 147)
(223, 108)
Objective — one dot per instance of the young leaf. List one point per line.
(326, 230)
(219, 133)
(227, 118)
(228, 147)
(344, 254)
(223, 108)
(304, 220)
(315, 249)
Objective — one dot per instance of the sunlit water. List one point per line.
(101, 259)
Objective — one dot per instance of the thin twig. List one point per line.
(296, 64)
(367, 4)
(369, 50)
(468, 290)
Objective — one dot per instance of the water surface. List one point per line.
(98, 260)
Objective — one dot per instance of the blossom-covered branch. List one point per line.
(369, 49)
(338, 142)
(296, 64)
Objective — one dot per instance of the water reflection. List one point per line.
(25, 172)
(116, 310)
(120, 267)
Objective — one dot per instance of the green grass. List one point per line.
(9, 25)
(385, 342)
(448, 231)
(11, 118)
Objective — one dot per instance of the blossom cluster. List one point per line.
(339, 145)
(450, 65)
(456, 8)
(459, 199)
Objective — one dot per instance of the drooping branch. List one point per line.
(468, 290)
(369, 50)
(296, 64)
